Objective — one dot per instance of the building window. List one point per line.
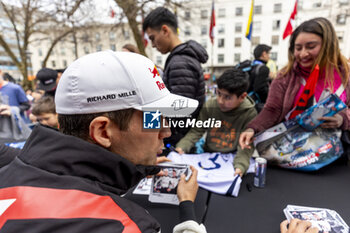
(204, 43)
(221, 43)
(159, 60)
(257, 26)
(221, 58)
(98, 36)
(112, 47)
(257, 9)
(204, 30)
(112, 36)
(204, 14)
(85, 38)
(238, 27)
(317, 5)
(64, 63)
(274, 40)
(221, 29)
(341, 19)
(126, 35)
(187, 31)
(187, 15)
(53, 64)
(40, 52)
(340, 36)
(99, 47)
(276, 24)
(238, 42)
(239, 11)
(237, 58)
(255, 40)
(86, 50)
(63, 51)
(222, 12)
(344, 2)
(277, 8)
(273, 56)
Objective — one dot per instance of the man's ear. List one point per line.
(100, 131)
(165, 29)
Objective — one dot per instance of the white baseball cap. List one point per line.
(109, 81)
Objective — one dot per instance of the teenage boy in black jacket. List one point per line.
(183, 74)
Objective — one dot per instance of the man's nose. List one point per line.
(220, 100)
(165, 132)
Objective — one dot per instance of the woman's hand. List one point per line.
(246, 138)
(331, 122)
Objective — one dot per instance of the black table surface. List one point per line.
(168, 215)
(261, 209)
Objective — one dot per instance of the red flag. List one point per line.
(289, 27)
(112, 13)
(212, 24)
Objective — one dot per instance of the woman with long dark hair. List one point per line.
(313, 45)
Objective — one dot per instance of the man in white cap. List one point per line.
(71, 181)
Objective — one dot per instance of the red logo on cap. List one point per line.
(160, 85)
(154, 71)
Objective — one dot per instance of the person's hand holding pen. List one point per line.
(180, 150)
(177, 149)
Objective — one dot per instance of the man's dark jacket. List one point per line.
(183, 75)
(259, 80)
(60, 183)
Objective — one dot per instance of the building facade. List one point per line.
(230, 44)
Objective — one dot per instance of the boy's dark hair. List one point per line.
(78, 125)
(260, 48)
(45, 104)
(234, 80)
(158, 17)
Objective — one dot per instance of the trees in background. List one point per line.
(21, 19)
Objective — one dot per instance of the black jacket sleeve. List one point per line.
(261, 83)
(184, 76)
(24, 106)
(187, 211)
(7, 154)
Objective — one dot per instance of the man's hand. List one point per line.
(162, 159)
(238, 172)
(5, 110)
(246, 138)
(297, 226)
(331, 122)
(180, 150)
(187, 190)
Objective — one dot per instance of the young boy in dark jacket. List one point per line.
(234, 109)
